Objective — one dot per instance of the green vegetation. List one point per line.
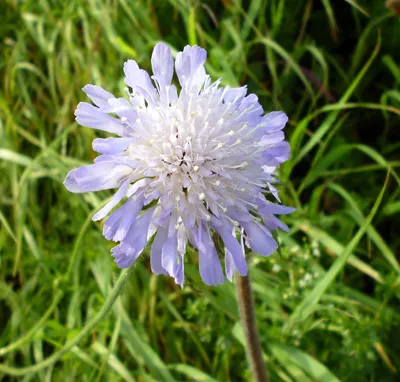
(327, 305)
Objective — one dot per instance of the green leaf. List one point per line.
(309, 304)
(313, 368)
(113, 362)
(293, 359)
(193, 373)
(11, 156)
(371, 231)
(292, 63)
(298, 134)
(335, 247)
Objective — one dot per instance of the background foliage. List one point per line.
(327, 305)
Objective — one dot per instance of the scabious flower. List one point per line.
(195, 167)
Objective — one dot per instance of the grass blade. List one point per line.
(309, 304)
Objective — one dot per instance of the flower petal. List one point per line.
(70, 182)
(250, 102)
(276, 120)
(122, 259)
(209, 264)
(189, 66)
(96, 177)
(274, 191)
(111, 146)
(118, 196)
(117, 225)
(272, 138)
(277, 154)
(232, 245)
(137, 185)
(156, 252)
(162, 64)
(235, 94)
(180, 271)
(123, 108)
(210, 267)
(273, 208)
(238, 214)
(98, 95)
(169, 255)
(91, 116)
(229, 265)
(136, 238)
(274, 223)
(259, 240)
(139, 80)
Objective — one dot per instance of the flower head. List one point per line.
(194, 167)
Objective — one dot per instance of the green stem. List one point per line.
(192, 26)
(58, 296)
(248, 318)
(82, 334)
(77, 246)
(27, 336)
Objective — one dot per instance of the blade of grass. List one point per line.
(316, 370)
(371, 231)
(309, 304)
(289, 59)
(338, 154)
(113, 362)
(192, 373)
(358, 7)
(298, 134)
(336, 248)
(192, 26)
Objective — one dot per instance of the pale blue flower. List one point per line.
(191, 166)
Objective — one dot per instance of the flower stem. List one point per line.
(248, 318)
(74, 341)
(6, 349)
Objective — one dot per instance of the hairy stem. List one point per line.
(82, 334)
(248, 318)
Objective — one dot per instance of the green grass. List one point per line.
(327, 307)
